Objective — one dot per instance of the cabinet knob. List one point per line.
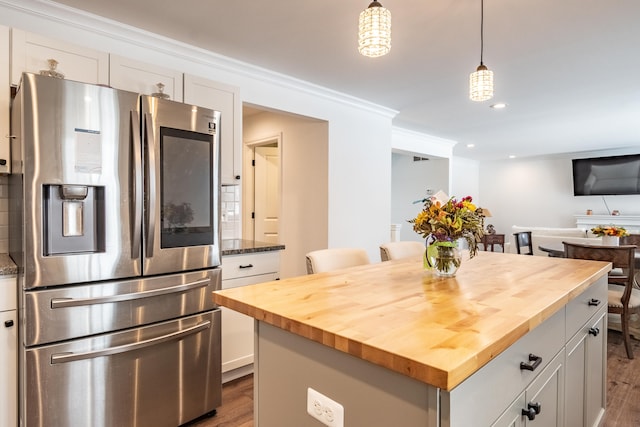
(3, 162)
(237, 176)
(532, 410)
(594, 331)
(8, 323)
(537, 360)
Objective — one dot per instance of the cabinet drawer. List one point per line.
(8, 293)
(249, 280)
(585, 305)
(503, 376)
(235, 266)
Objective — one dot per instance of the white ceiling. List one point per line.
(569, 70)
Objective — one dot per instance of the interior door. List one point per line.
(267, 194)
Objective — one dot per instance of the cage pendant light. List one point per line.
(481, 81)
(374, 31)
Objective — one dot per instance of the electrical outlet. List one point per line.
(327, 411)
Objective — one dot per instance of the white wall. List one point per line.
(539, 192)
(410, 181)
(465, 180)
(304, 166)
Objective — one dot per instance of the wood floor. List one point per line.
(623, 392)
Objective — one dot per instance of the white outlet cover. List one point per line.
(327, 411)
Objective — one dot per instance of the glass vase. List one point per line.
(444, 258)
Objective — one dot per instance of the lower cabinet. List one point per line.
(570, 391)
(541, 404)
(8, 352)
(586, 374)
(237, 329)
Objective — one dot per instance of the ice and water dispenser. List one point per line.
(73, 219)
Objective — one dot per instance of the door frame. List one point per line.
(248, 187)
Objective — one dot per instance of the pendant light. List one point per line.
(374, 31)
(481, 81)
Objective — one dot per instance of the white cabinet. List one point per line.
(541, 404)
(237, 329)
(586, 374)
(135, 76)
(31, 52)
(5, 161)
(8, 352)
(226, 99)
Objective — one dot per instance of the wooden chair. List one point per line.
(398, 250)
(523, 241)
(333, 259)
(623, 298)
(633, 239)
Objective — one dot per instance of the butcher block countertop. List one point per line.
(396, 315)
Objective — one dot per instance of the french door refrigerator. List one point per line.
(114, 227)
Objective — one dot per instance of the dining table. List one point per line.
(557, 250)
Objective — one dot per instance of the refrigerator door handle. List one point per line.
(137, 184)
(174, 336)
(76, 302)
(150, 139)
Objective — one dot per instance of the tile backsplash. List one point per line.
(230, 212)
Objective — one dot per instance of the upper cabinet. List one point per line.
(226, 99)
(32, 53)
(5, 161)
(135, 76)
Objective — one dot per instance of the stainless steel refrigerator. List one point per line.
(114, 204)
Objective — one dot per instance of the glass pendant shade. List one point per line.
(481, 84)
(374, 31)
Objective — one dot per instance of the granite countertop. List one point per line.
(7, 266)
(240, 246)
(436, 330)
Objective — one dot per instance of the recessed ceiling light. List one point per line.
(512, 156)
(498, 105)
(471, 145)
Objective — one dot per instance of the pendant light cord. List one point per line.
(481, 30)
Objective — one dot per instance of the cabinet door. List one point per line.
(585, 372)
(136, 76)
(5, 160)
(547, 393)
(225, 99)
(31, 52)
(575, 381)
(237, 330)
(512, 417)
(8, 368)
(596, 372)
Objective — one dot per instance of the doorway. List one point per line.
(262, 190)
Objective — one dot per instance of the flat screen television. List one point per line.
(603, 176)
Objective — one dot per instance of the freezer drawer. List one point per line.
(75, 311)
(160, 375)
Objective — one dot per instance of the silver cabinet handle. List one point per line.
(150, 139)
(76, 302)
(174, 336)
(137, 185)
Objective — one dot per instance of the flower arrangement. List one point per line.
(609, 230)
(447, 220)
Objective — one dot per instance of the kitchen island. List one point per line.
(395, 344)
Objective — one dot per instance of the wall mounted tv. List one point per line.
(603, 176)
